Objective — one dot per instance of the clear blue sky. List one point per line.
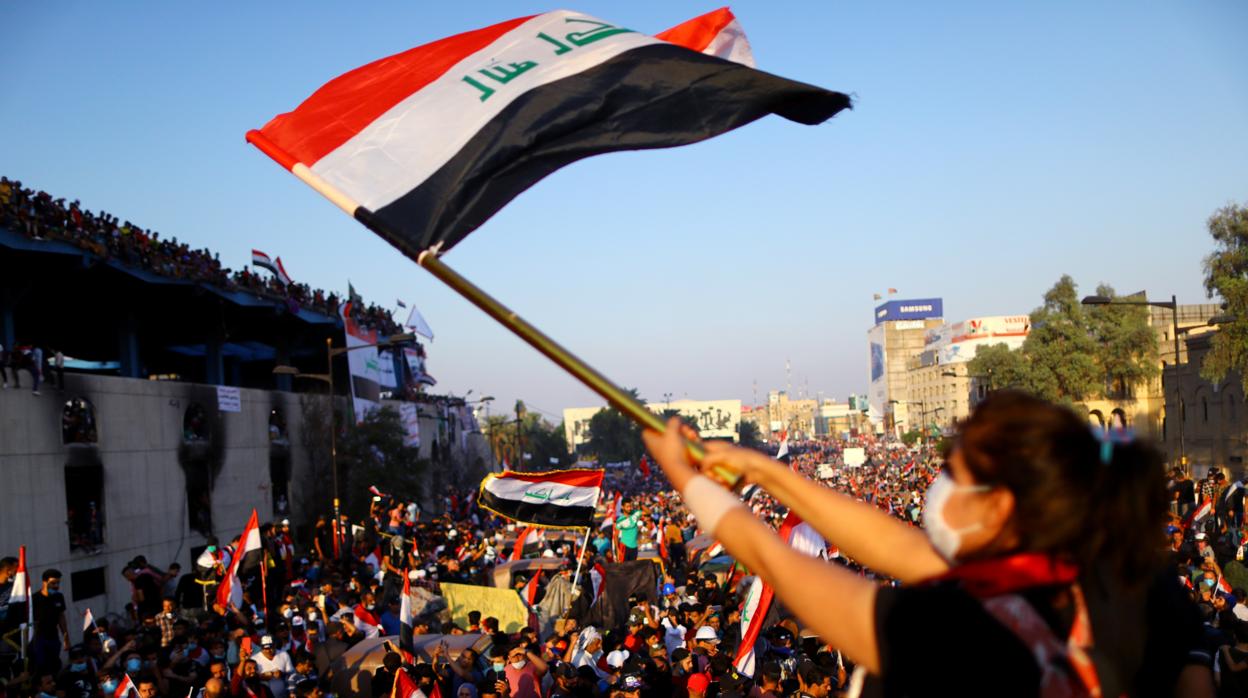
(994, 147)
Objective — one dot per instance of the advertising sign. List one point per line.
(916, 309)
(229, 399)
(877, 393)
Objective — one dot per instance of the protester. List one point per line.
(1032, 513)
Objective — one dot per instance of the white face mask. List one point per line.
(944, 538)
(518, 665)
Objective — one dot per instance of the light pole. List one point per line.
(1173, 305)
(328, 379)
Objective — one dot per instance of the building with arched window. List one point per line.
(1214, 415)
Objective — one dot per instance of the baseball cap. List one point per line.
(1201, 536)
(616, 658)
(631, 682)
(565, 670)
(698, 682)
(668, 589)
(707, 634)
(266, 641)
(636, 618)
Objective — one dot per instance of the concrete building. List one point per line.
(837, 419)
(716, 419)
(899, 333)
(1214, 416)
(113, 467)
(940, 383)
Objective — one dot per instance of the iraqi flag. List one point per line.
(406, 621)
(783, 454)
(366, 621)
(425, 145)
(597, 575)
(88, 624)
(517, 553)
(530, 589)
(249, 555)
(608, 519)
(262, 260)
(801, 537)
(404, 685)
(125, 688)
(644, 465)
(1198, 513)
(557, 499)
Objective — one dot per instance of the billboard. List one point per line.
(877, 393)
(914, 309)
(716, 419)
(959, 341)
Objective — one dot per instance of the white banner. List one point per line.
(229, 399)
(385, 369)
(365, 368)
(410, 417)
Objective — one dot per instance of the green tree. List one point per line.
(749, 434)
(614, 437)
(997, 366)
(1127, 345)
(1226, 275)
(1060, 350)
(372, 452)
(911, 437)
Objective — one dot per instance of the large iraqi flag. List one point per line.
(425, 145)
(555, 499)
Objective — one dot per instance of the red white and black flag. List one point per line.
(249, 555)
(556, 499)
(406, 621)
(424, 146)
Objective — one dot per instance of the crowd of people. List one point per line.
(40, 216)
(318, 598)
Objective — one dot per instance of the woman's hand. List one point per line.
(734, 466)
(670, 450)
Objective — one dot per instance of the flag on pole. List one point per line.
(125, 688)
(376, 492)
(88, 624)
(1200, 512)
(608, 519)
(416, 323)
(424, 146)
(892, 291)
(801, 537)
(282, 276)
(249, 554)
(530, 589)
(716, 33)
(399, 302)
(783, 454)
(644, 465)
(876, 296)
(597, 575)
(404, 686)
(262, 260)
(406, 621)
(517, 553)
(557, 499)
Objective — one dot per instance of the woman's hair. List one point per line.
(1068, 499)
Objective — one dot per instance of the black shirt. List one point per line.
(48, 610)
(939, 640)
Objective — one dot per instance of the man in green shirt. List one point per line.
(626, 525)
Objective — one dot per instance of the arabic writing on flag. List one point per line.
(557, 499)
(424, 146)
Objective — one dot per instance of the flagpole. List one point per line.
(592, 379)
(576, 578)
(616, 396)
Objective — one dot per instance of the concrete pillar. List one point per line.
(214, 366)
(128, 346)
(282, 358)
(8, 325)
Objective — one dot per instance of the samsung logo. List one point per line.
(916, 308)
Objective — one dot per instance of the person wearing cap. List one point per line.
(565, 683)
(696, 685)
(1032, 515)
(273, 666)
(629, 685)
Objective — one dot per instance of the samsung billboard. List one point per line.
(915, 309)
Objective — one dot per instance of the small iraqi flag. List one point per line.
(783, 454)
(426, 145)
(644, 464)
(249, 555)
(406, 621)
(556, 499)
(1198, 513)
(126, 688)
(530, 589)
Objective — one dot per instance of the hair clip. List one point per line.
(1109, 436)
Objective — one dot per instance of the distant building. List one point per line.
(1214, 416)
(939, 380)
(716, 419)
(900, 332)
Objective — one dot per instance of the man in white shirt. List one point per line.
(273, 666)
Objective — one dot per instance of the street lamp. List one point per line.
(328, 379)
(1173, 305)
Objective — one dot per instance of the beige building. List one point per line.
(940, 382)
(797, 417)
(893, 345)
(1214, 416)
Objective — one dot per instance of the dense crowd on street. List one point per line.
(309, 602)
(40, 216)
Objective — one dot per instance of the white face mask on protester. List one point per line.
(946, 539)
